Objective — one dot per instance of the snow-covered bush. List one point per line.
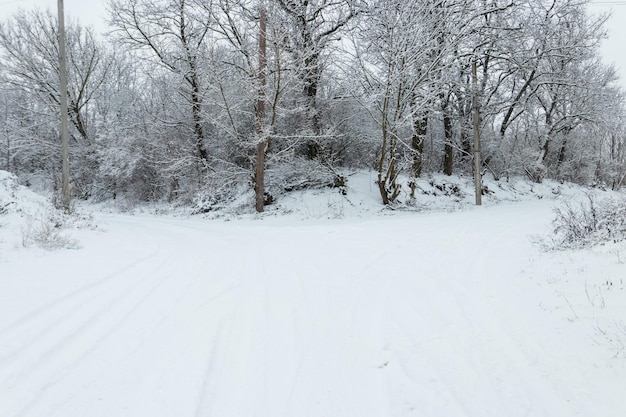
(45, 230)
(591, 222)
(301, 174)
(32, 220)
(8, 189)
(232, 194)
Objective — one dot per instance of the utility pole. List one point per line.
(259, 177)
(476, 122)
(7, 135)
(65, 176)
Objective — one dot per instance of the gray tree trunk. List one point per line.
(477, 158)
(65, 176)
(260, 116)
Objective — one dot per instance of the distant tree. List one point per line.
(174, 34)
(402, 52)
(180, 107)
(572, 81)
(30, 62)
(30, 66)
(6, 142)
(261, 147)
(530, 55)
(313, 26)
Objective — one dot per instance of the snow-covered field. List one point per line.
(436, 313)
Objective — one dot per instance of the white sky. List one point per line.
(89, 12)
(92, 12)
(614, 48)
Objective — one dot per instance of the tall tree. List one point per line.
(29, 51)
(544, 39)
(401, 56)
(173, 33)
(260, 113)
(313, 26)
(30, 61)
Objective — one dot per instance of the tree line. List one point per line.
(199, 101)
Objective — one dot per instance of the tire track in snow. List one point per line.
(468, 285)
(207, 389)
(305, 351)
(520, 352)
(427, 360)
(222, 307)
(93, 286)
(56, 363)
(304, 338)
(55, 347)
(49, 317)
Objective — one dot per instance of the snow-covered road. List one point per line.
(416, 315)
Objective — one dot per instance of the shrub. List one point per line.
(589, 223)
(44, 230)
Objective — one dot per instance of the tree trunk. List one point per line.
(448, 159)
(311, 81)
(383, 154)
(466, 143)
(260, 116)
(194, 84)
(561, 158)
(478, 188)
(387, 178)
(196, 104)
(420, 127)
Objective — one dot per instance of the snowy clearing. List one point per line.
(416, 314)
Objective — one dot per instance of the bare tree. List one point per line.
(313, 26)
(29, 52)
(401, 54)
(174, 33)
(545, 40)
(260, 113)
(192, 107)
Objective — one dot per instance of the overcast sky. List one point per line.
(614, 48)
(92, 12)
(89, 12)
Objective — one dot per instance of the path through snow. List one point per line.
(416, 315)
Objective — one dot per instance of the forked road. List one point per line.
(429, 315)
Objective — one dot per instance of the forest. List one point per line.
(197, 102)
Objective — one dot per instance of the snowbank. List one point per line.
(360, 197)
(15, 198)
(28, 219)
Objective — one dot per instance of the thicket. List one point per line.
(591, 222)
(165, 108)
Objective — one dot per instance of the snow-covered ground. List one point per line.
(435, 313)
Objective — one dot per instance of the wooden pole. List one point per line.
(476, 122)
(6, 135)
(260, 115)
(65, 177)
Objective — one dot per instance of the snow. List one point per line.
(451, 311)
